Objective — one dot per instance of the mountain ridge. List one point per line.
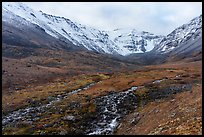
(81, 35)
(117, 42)
(180, 35)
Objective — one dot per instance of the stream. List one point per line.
(31, 114)
(110, 110)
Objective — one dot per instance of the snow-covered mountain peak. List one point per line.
(119, 41)
(15, 5)
(18, 8)
(133, 40)
(123, 41)
(180, 35)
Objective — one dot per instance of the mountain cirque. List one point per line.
(61, 78)
(118, 41)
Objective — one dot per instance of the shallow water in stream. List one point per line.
(31, 114)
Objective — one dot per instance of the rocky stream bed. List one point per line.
(110, 108)
(31, 114)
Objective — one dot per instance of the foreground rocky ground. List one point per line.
(179, 114)
(163, 99)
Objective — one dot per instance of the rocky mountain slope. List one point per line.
(67, 34)
(187, 33)
(184, 43)
(61, 78)
(120, 41)
(133, 41)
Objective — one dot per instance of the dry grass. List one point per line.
(23, 98)
(179, 114)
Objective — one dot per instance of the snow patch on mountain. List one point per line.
(122, 41)
(181, 35)
(131, 40)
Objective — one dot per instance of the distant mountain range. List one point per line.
(27, 27)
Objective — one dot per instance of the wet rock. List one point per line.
(69, 118)
(50, 98)
(48, 125)
(59, 96)
(178, 76)
(158, 81)
(74, 105)
(64, 132)
(102, 124)
(42, 133)
(33, 113)
(110, 109)
(35, 119)
(135, 120)
(173, 115)
(156, 110)
(191, 110)
(136, 114)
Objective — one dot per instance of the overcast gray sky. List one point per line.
(155, 17)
